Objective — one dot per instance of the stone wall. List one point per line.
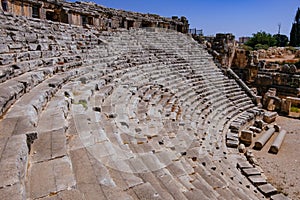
(91, 14)
(223, 47)
(138, 114)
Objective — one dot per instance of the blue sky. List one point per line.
(240, 17)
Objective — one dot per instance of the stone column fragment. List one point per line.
(264, 138)
(278, 141)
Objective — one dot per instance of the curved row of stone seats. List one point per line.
(182, 177)
(42, 49)
(35, 78)
(105, 129)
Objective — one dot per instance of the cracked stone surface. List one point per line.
(143, 115)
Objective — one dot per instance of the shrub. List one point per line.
(247, 48)
(295, 109)
(262, 38)
(261, 46)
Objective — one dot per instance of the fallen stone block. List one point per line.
(257, 180)
(251, 171)
(232, 136)
(246, 137)
(232, 143)
(270, 117)
(243, 164)
(259, 124)
(279, 196)
(255, 129)
(267, 189)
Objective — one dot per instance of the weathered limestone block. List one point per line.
(270, 117)
(146, 191)
(49, 145)
(6, 59)
(267, 189)
(250, 157)
(15, 47)
(30, 79)
(235, 126)
(279, 196)
(33, 47)
(72, 194)
(25, 124)
(15, 192)
(52, 119)
(3, 48)
(232, 135)
(259, 124)
(251, 171)
(270, 105)
(286, 106)
(22, 56)
(13, 161)
(278, 141)
(243, 164)
(34, 64)
(86, 179)
(30, 37)
(257, 180)
(35, 55)
(57, 172)
(8, 92)
(246, 137)
(17, 36)
(255, 129)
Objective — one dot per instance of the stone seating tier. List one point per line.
(98, 115)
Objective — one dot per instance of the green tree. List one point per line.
(281, 40)
(261, 39)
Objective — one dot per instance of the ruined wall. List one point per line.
(223, 48)
(91, 14)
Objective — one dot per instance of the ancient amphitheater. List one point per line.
(119, 114)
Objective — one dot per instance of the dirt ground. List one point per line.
(283, 169)
(290, 58)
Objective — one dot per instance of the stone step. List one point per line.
(58, 173)
(13, 162)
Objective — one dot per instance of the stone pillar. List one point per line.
(285, 106)
(278, 141)
(70, 18)
(264, 138)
